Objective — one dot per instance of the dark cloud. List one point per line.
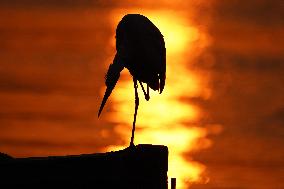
(277, 117)
(246, 67)
(256, 12)
(255, 63)
(55, 116)
(54, 3)
(50, 79)
(49, 147)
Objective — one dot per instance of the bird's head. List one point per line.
(111, 76)
(113, 73)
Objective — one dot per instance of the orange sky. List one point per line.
(53, 57)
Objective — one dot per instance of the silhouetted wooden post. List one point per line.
(143, 166)
(173, 183)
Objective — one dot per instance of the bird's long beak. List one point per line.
(112, 77)
(107, 94)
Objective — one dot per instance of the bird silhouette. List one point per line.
(141, 49)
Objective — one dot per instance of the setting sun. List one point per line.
(162, 119)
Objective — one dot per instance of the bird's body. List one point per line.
(141, 49)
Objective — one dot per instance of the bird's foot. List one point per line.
(131, 145)
(147, 97)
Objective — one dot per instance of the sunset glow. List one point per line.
(163, 119)
(220, 114)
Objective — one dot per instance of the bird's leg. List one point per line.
(147, 97)
(135, 112)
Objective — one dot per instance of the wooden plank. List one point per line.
(144, 166)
